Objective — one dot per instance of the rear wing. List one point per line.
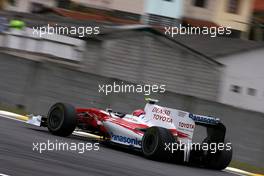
(204, 120)
(183, 120)
(216, 130)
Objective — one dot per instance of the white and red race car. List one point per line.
(158, 132)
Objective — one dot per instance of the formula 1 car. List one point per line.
(158, 132)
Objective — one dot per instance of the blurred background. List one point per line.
(220, 76)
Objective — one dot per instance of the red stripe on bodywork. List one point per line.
(180, 134)
(129, 125)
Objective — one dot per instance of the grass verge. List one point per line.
(247, 167)
(16, 110)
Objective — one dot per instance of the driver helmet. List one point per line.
(138, 112)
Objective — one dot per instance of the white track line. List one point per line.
(11, 118)
(240, 172)
(3, 174)
(235, 173)
(14, 115)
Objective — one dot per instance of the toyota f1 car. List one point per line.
(158, 132)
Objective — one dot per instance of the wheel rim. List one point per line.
(56, 118)
(150, 143)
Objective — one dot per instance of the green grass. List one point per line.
(247, 167)
(16, 110)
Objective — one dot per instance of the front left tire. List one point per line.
(61, 119)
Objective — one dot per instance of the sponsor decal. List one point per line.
(203, 119)
(162, 114)
(186, 125)
(161, 111)
(162, 118)
(127, 140)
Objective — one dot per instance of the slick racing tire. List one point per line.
(219, 159)
(61, 119)
(153, 143)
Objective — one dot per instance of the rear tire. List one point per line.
(61, 119)
(153, 143)
(219, 160)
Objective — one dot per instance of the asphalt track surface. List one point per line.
(17, 157)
